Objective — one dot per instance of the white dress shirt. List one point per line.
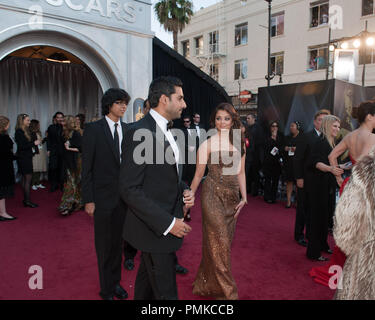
(162, 124)
(317, 132)
(111, 124)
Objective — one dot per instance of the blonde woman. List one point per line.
(25, 146)
(71, 199)
(7, 179)
(323, 191)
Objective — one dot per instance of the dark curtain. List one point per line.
(39, 88)
(202, 93)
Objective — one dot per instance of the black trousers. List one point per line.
(108, 244)
(302, 215)
(156, 277)
(56, 171)
(129, 251)
(319, 219)
(271, 184)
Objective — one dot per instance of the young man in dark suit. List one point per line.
(101, 157)
(302, 174)
(154, 192)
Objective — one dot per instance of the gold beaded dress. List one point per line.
(219, 197)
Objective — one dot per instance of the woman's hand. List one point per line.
(336, 171)
(339, 180)
(67, 145)
(37, 142)
(239, 208)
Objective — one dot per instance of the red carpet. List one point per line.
(266, 262)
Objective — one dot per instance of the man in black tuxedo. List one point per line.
(303, 174)
(154, 192)
(102, 148)
(191, 147)
(55, 150)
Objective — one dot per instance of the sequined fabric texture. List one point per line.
(220, 196)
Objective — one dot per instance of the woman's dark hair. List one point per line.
(82, 119)
(271, 123)
(111, 96)
(34, 126)
(160, 86)
(299, 126)
(235, 120)
(56, 114)
(360, 113)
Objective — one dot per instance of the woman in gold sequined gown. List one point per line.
(224, 155)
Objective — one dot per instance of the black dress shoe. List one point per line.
(302, 242)
(129, 264)
(29, 204)
(288, 206)
(321, 258)
(329, 251)
(110, 297)
(120, 293)
(181, 269)
(7, 219)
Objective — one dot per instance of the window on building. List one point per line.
(317, 58)
(240, 34)
(240, 69)
(319, 13)
(214, 41)
(185, 48)
(277, 24)
(277, 63)
(214, 71)
(199, 45)
(367, 7)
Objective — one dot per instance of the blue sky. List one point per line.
(167, 36)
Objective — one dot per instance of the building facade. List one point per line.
(229, 41)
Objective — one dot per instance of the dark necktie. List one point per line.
(170, 125)
(116, 141)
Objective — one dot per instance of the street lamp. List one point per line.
(268, 76)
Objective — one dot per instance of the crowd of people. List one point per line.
(55, 158)
(144, 207)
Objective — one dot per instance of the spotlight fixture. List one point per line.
(344, 45)
(357, 43)
(370, 41)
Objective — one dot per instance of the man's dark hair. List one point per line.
(160, 86)
(111, 96)
(56, 114)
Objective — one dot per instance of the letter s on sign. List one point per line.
(129, 9)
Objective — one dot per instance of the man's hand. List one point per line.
(189, 198)
(180, 228)
(90, 208)
(300, 183)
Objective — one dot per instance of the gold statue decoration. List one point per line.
(139, 115)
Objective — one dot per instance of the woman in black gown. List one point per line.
(274, 144)
(25, 146)
(289, 151)
(6, 168)
(323, 195)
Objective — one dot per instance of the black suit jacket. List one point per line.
(302, 157)
(152, 191)
(100, 166)
(24, 146)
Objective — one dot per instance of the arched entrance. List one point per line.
(27, 68)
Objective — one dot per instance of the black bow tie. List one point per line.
(170, 125)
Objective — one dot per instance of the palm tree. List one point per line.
(174, 15)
